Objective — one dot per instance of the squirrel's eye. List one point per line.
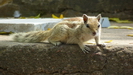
(87, 25)
(98, 26)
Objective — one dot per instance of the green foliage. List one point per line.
(5, 33)
(38, 16)
(120, 21)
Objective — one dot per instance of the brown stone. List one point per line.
(116, 8)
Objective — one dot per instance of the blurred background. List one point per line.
(122, 9)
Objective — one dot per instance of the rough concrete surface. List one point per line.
(45, 59)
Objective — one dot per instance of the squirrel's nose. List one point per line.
(94, 33)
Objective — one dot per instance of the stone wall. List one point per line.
(46, 59)
(111, 8)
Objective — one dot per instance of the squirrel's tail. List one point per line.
(35, 36)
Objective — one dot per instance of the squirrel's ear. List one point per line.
(85, 18)
(99, 17)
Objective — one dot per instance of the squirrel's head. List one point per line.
(92, 24)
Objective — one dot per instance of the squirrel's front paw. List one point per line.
(101, 45)
(86, 49)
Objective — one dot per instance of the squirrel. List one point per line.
(75, 30)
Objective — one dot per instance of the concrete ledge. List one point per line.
(46, 59)
(26, 25)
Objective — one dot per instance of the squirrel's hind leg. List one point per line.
(56, 43)
(54, 40)
(58, 36)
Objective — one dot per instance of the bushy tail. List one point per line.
(35, 36)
